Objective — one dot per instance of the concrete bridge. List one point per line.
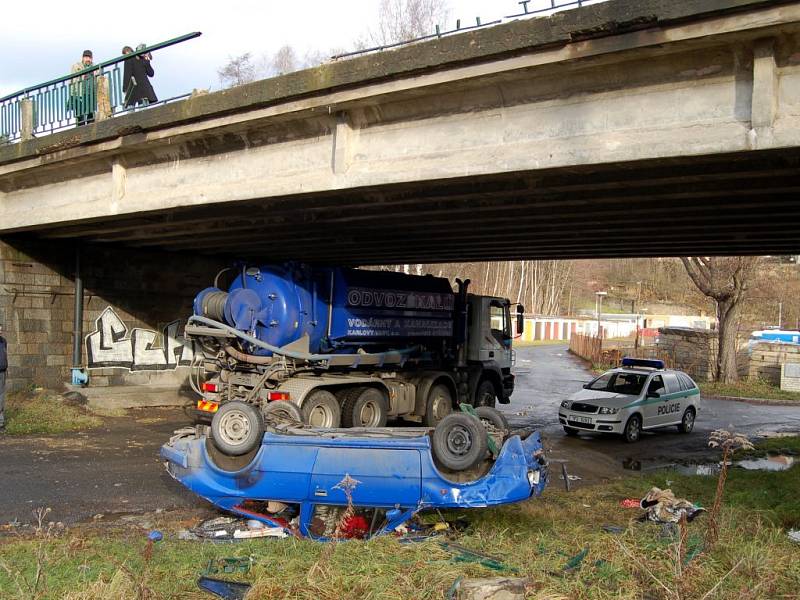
(625, 128)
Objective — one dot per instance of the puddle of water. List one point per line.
(769, 463)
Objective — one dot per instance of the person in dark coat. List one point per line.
(3, 369)
(136, 78)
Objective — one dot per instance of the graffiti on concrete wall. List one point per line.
(112, 345)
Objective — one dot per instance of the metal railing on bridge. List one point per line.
(529, 8)
(68, 100)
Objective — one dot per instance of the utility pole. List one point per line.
(598, 310)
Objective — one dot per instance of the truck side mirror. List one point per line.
(520, 319)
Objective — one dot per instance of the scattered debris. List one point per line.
(219, 566)
(694, 548)
(630, 503)
(575, 562)
(663, 507)
(565, 476)
(227, 590)
(495, 588)
(794, 535)
(462, 554)
(230, 528)
(573, 477)
(155, 536)
(613, 529)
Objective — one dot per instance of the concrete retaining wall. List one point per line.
(766, 360)
(135, 305)
(695, 351)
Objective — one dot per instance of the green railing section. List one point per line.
(72, 99)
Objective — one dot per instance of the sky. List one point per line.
(48, 45)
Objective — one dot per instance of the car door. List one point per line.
(384, 476)
(651, 405)
(674, 401)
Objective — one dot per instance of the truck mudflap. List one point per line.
(391, 473)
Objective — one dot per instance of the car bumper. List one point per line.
(597, 423)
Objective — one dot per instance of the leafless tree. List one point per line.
(402, 20)
(725, 280)
(285, 61)
(238, 70)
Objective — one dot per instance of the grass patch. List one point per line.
(779, 445)
(751, 388)
(44, 412)
(537, 538)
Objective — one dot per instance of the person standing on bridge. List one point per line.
(82, 91)
(136, 78)
(3, 369)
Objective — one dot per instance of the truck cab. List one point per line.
(489, 345)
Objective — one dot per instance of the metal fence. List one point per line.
(529, 8)
(72, 99)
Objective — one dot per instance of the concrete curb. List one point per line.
(757, 401)
(133, 396)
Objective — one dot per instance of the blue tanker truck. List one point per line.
(337, 347)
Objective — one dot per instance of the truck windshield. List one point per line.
(619, 383)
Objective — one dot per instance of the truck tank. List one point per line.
(341, 310)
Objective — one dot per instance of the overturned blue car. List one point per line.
(357, 482)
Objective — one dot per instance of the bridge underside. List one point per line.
(621, 129)
(733, 204)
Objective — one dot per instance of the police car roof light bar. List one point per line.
(649, 363)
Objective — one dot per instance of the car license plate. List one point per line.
(582, 420)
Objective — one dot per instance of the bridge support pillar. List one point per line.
(342, 133)
(26, 119)
(103, 99)
(765, 91)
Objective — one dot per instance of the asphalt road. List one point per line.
(546, 375)
(115, 469)
(110, 470)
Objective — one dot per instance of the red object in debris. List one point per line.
(209, 386)
(271, 396)
(630, 503)
(356, 527)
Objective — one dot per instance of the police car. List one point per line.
(639, 395)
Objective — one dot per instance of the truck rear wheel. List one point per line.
(365, 407)
(282, 411)
(237, 428)
(438, 405)
(485, 395)
(321, 409)
(459, 442)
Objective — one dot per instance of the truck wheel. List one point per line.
(459, 442)
(439, 405)
(485, 395)
(321, 409)
(237, 428)
(282, 411)
(365, 407)
(493, 417)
